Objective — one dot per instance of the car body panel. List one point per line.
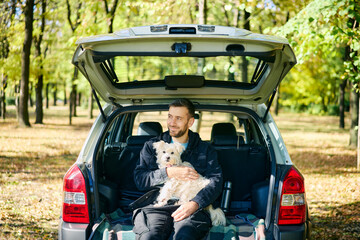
(76, 231)
(87, 151)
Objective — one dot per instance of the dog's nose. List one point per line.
(167, 159)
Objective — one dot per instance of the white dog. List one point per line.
(182, 190)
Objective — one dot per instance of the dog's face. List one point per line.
(168, 154)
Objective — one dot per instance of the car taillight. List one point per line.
(75, 206)
(292, 205)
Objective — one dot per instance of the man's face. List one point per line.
(179, 121)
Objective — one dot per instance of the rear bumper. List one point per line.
(72, 231)
(296, 232)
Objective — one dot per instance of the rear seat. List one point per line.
(242, 164)
(119, 186)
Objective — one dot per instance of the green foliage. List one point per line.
(319, 34)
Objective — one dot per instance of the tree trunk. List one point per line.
(65, 97)
(55, 94)
(202, 20)
(0, 104)
(4, 106)
(25, 65)
(47, 95)
(91, 104)
(73, 99)
(2, 96)
(342, 104)
(38, 54)
(277, 98)
(245, 62)
(73, 26)
(354, 112)
(39, 103)
(110, 14)
(31, 102)
(78, 99)
(358, 142)
(72, 103)
(231, 72)
(70, 108)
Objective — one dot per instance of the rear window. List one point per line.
(123, 70)
(204, 122)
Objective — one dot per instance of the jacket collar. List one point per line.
(194, 139)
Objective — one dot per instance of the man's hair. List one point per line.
(184, 102)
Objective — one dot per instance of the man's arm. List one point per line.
(185, 210)
(209, 194)
(182, 173)
(213, 172)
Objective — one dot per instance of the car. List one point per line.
(231, 75)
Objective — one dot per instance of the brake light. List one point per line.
(75, 205)
(292, 205)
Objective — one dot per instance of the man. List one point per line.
(189, 221)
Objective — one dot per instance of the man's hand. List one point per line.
(182, 173)
(185, 211)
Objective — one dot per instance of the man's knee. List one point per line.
(152, 223)
(151, 235)
(187, 233)
(195, 227)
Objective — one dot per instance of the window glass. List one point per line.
(125, 69)
(203, 122)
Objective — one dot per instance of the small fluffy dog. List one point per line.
(181, 191)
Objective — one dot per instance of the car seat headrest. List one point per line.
(224, 141)
(222, 129)
(150, 128)
(137, 140)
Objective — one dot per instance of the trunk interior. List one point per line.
(240, 145)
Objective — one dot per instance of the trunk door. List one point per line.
(202, 62)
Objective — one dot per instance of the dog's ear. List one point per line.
(180, 148)
(159, 145)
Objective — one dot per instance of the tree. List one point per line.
(331, 25)
(6, 20)
(73, 25)
(23, 114)
(39, 56)
(110, 14)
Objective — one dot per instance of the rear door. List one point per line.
(200, 62)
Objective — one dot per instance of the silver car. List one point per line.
(231, 75)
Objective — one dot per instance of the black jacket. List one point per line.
(200, 154)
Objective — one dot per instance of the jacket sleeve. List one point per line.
(213, 172)
(147, 175)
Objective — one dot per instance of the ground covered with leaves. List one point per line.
(34, 160)
(320, 151)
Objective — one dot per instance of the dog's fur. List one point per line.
(183, 190)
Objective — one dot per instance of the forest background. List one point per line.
(38, 38)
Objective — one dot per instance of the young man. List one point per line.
(188, 221)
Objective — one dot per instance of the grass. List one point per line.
(34, 160)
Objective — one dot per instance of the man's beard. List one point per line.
(179, 134)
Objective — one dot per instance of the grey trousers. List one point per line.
(157, 223)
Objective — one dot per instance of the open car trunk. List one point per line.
(237, 135)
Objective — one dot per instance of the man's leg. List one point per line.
(152, 223)
(194, 227)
